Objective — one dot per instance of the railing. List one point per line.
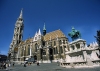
(80, 64)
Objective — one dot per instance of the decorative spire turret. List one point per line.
(39, 32)
(44, 30)
(44, 27)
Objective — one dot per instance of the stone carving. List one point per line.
(66, 49)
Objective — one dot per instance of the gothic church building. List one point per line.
(43, 47)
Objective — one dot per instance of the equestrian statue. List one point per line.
(74, 34)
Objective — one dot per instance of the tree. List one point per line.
(98, 37)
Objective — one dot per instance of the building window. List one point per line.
(44, 52)
(72, 47)
(22, 52)
(63, 41)
(39, 37)
(54, 43)
(17, 29)
(35, 38)
(36, 46)
(28, 50)
(78, 46)
(61, 50)
(43, 43)
(60, 42)
(54, 51)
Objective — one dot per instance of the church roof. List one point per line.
(29, 40)
(22, 42)
(54, 35)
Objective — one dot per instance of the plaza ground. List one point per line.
(48, 67)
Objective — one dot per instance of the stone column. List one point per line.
(30, 52)
(38, 54)
(18, 54)
(47, 54)
(75, 47)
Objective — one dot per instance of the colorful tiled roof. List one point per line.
(54, 35)
(29, 40)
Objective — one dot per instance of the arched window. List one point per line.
(63, 41)
(60, 42)
(56, 51)
(54, 43)
(72, 47)
(44, 52)
(17, 29)
(61, 50)
(78, 46)
(36, 46)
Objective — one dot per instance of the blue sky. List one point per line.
(84, 15)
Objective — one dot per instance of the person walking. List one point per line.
(13, 64)
(6, 66)
(57, 62)
(37, 63)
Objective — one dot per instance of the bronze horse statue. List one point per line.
(74, 34)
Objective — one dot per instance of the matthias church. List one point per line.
(43, 46)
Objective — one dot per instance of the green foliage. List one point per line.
(98, 37)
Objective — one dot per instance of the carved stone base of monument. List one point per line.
(89, 62)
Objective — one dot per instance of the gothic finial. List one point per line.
(39, 32)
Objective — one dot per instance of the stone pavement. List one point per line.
(48, 67)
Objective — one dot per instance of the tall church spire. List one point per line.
(44, 27)
(21, 13)
(44, 30)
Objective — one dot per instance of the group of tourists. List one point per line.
(4, 65)
(29, 63)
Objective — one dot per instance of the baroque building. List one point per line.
(44, 47)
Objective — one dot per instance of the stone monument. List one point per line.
(79, 54)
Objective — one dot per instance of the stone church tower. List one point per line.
(18, 34)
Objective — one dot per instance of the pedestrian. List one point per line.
(6, 66)
(37, 63)
(13, 64)
(24, 64)
(57, 62)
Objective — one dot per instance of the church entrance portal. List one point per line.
(51, 54)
